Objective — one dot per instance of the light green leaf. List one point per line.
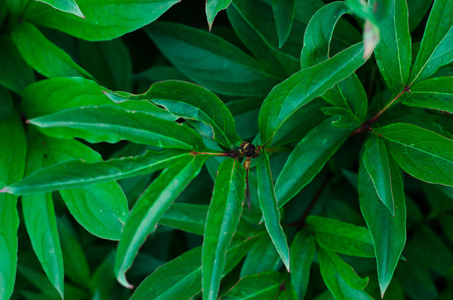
(112, 124)
(223, 218)
(79, 173)
(213, 7)
(42, 55)
(150, 207)
(265, 285)
(376, 161)
(104, 19)
(303, 87)
(387, 231)
(435, 50)
(302, 252)
(236, 72)
(421, 153)
(341, 237)
(308, 158)
(283, 15)
(13, 153)
(269, 207)
(69, 6)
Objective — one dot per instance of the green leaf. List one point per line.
(69, 6)
(13, 153)
(303, 87)
(308, 158)
(393, 53)
(341, 237)
(388, 231)
(112, 124)
(42, 55)
(302, 252)
(283, 15)
(223, 218)
(374, 11)
(265, 285)
(236, 72)
(340, 278)
(187, 217)
(417, 10)
(150, 207)
(434, 93)
(376, 161)
(421, 153)
(16, 74)
(62, 175)
(269, 207)
(104, 19)
(435, 50)
(213, 7)
(262, 257)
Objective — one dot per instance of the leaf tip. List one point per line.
(123, 281)
(4, 190)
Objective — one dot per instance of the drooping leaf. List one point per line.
(421, 153)
(435, 50)
(236, 72)
(303, 87)
(283, 15)
(269, 207)
(68, 6)
(104, 19)
(12, 158)
(112, 124)
(42, 55)
(262, 257)
(302, 252)
(388, 231)
(308, 158)
(265, 285)
(150, 207)
(341, 237)
(393, 53)
(63, 175)
(223, 218)
(212, 9)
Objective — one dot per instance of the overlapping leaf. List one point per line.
(265, 285)
(213, 7)
(283, 15)
(262, 257)
(68, 6)
(302, 252)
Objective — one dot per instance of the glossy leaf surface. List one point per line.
(68, 6)
(213, 7)
(283, 15)
(435, 93)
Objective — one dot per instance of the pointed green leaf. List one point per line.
(340, 278)
(435, 50)
(236, 72)
(213, 7)
(269, 207)
(13, 153)
(393, 53)
(283, 15)
(376, 161)
(187, 217)
(262, 257)
(42, 55)
(265, 285)
(79, 173)
(387, 231)
(303, 87)
(421, 153)
(302, 252)
(341, 237)
(308, 158)
(69, 6)
(435, 93)
(223, 218)
(112, 124)
(104, 19)
(150, 207)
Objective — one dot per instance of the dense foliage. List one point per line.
(273, 151)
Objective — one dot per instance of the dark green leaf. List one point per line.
(213, 7)
(151, 206)
(104, 19)
(265, 285)
(308, 158)
(223, 217)
(303, 87)
(393, 53)
(42, 55)
(69, 6)
(422, 153)
(283, 15)
(269, 206)
(187, 217)
(341, 237)
(434, 93)
(262, 257)
(236, 72)
(388, 231)
(435, 50)
(417, 10)
(302, 252)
